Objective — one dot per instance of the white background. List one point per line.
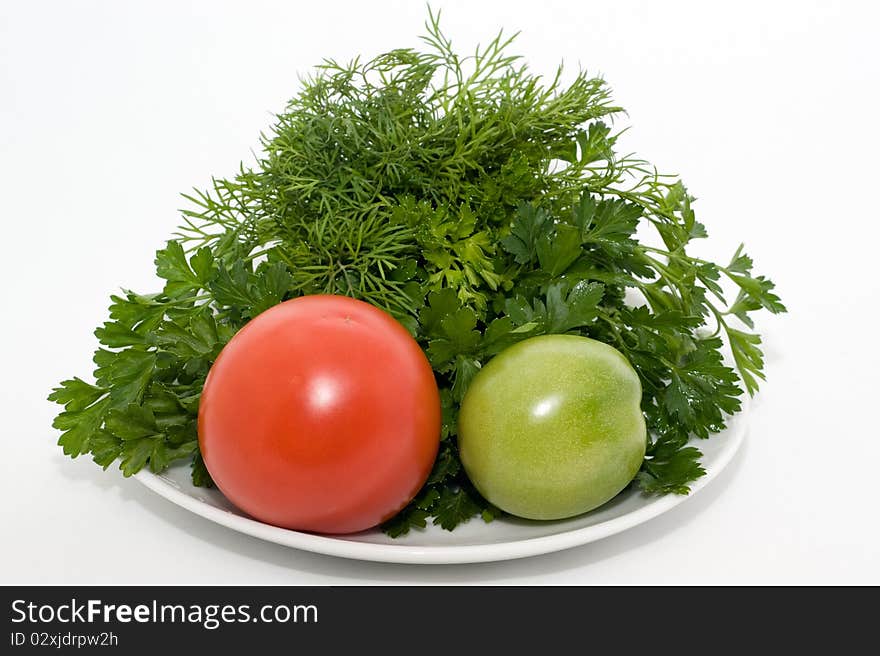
(768, 110)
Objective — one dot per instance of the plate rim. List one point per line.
(451, 554)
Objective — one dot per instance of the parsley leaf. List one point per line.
(454, 507)
(530, 225)
(561, 310)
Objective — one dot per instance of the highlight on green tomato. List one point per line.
(552, 427)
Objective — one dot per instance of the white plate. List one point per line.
(474, 542)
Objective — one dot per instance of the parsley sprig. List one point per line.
(480, 206)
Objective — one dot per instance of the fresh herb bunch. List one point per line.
(476, 203)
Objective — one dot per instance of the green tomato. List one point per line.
(552, 427)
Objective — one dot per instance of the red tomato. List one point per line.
(321, 414)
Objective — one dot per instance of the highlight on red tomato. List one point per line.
(321, 414)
